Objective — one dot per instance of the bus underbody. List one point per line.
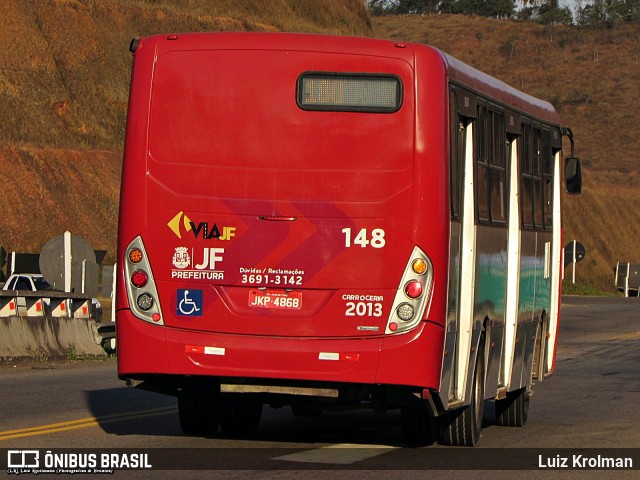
(233, 404)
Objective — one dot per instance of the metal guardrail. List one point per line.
(45, 302)
(44, 294)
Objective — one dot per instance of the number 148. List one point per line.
(362, 238)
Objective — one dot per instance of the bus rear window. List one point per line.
(345, 92)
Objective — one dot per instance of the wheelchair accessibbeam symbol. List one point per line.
(189, 303)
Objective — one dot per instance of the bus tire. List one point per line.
(239, 415)
(513, 411)
(462, 427)
(418, 426)
(198, 412)
(305, 412)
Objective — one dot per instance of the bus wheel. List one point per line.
(513, 411)
(239, 415)
(198, 412)
(462, 427)
(418, 427)
(305, 412)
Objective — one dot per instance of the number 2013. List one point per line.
(363, 309)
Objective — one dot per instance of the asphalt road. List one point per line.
(590, 403)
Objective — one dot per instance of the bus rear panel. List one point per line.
(277, 233)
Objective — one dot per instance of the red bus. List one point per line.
(329, 222)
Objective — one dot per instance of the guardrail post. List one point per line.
(81, 308)
(60, 308)
(35, 307)
(8, 307)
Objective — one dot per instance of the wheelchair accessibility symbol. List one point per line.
(189, 303)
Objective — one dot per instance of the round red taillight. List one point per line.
(413, 289)
(139, 278)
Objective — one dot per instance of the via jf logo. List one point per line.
(182, 223)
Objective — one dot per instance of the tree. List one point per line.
(606, 13)
(400, 7)
(545, 11)
(626, 10)
(485, 8)
(551, 13)
(491, 8)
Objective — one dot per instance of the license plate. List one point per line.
(278, 299)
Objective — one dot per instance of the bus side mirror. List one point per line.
(573, 175)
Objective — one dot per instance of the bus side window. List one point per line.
(526, 167)
(457, 147)
(491, 172)
(482, 153)
(498, 170)
(547, 179)
(536, 176)
(538, 192)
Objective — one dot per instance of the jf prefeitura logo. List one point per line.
(37, 462)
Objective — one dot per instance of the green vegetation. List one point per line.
(39, 354)
(489, 8)
(608, 13)
(569, 288)
(71, 353)
(595, 13)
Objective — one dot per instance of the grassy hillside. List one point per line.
(64, 74)
(64, 80)
(591, 76)
(48, 191)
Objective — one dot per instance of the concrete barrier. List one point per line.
(42, 336)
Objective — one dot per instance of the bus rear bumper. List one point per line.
(146, 349)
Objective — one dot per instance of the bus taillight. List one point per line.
(413, 289)
(135, 255)
(145, 302)
(405, 312)
(419, 266)
(139, 278)
(141, 287)
(412, 296)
